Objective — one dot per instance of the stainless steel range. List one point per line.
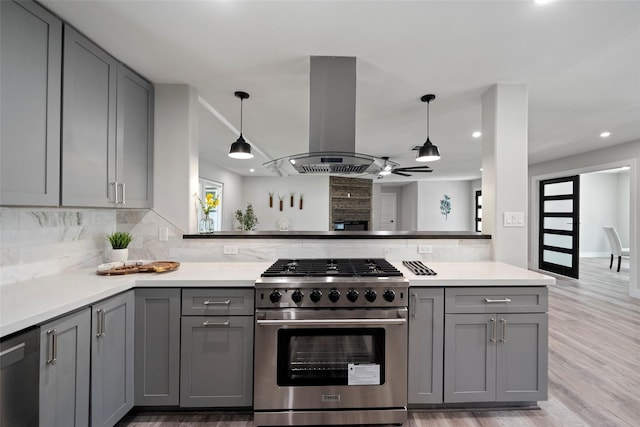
(331, 343)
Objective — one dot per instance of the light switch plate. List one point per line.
(425, 249)
(514, 219)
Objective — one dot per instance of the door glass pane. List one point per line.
(311, 357)
(558, 188)
(552, 223)
(479, 226)
(480, 200)
(557, 258)
(559, 241)
(480, 213)
(558, 206)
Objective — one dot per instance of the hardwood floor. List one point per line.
(594, 364)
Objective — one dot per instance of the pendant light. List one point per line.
(241, 148)
(428, 152)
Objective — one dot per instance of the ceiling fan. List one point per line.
(389, 167)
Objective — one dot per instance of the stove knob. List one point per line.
(370, 295)
(389, 295)
(315, 295)
(275, 296)
(334, 295)
(296, 296)
(352, 295)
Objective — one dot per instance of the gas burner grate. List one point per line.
(321, 267)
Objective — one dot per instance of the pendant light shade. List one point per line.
(428, 152)
(241, 148)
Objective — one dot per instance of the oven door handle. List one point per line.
(325, 322)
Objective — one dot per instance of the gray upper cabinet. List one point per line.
(495, 356)
(107, 129)
(157, 353)
(426, 341)
(30, 64)
(134, 149)
(88, 123)
(112, 359)
(64, 371)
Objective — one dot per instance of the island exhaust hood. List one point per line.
(332, 122)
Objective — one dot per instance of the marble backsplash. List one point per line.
(41, 242)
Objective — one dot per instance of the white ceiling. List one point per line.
(580, 60)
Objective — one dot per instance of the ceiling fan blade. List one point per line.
(399, 172)
(415, 169)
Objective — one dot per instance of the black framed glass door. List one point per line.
(559, 225)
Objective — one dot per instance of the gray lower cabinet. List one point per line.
(30, 72)
(107, 129)
(496, 356)
(216, 367)
(157, 347)
(64, 370)
(426, 341)
(112, 359)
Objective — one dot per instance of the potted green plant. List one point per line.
(120, 245)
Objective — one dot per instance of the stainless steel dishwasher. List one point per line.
(19, 379)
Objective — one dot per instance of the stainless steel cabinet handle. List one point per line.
(123, 193)
(489, 301)
(52, 350)
(209, 302)
(493, 330)
(324, 322)
(114, 192)
(414, 305)
(101, 328)
(206, 323)
(103, 323)
(504, 330)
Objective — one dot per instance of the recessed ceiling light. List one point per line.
(252, 170)
(605, 134)
(476, 134)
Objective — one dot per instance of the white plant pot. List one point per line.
(119, 255)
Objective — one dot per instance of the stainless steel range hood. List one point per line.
(332, 121)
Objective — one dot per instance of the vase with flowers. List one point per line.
(207, 206)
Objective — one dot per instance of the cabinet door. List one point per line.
(112, 355)
(157, 354)
(134, 140)
(426, 341)
(88, 123)
(216, 361)
(470, 358)
(64, 371)
(30, 64)
(522, 357)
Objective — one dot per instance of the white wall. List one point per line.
(315, 213)
(430, 217)
(599, 200)
(623, 219)
(232, 188)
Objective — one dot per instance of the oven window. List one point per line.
(312, 357)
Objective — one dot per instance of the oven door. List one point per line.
(330, 359)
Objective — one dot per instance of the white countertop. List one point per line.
(33, 302)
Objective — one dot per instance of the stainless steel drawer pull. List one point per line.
(489, 301)
(53, 347)
(100, 329)
(414, 303)
(504, 330)
(493, 330)
(206, 324)
(209, 302)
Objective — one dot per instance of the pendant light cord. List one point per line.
(428, 102)
(241, 100)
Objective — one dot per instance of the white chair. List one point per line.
(616, 246)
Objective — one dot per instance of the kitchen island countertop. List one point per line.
(32, 302)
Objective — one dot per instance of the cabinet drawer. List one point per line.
(496, 300)
(217, 301)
